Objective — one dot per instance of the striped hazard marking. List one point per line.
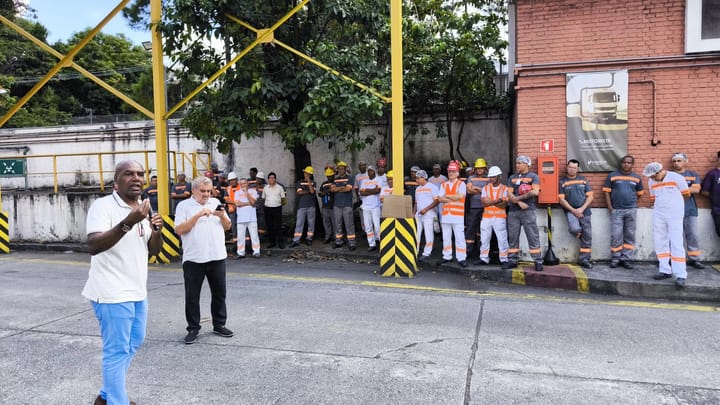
(563, 276)
(4, 233)
(397, 247)
(171, 243)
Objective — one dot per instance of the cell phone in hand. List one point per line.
(219, 207)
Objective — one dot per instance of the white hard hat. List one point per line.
(232, 176)
(494, 171)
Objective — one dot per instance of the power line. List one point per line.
(74, 76)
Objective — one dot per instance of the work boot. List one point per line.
(697, 264)
(538, 266)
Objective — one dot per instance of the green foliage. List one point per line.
(113, 58)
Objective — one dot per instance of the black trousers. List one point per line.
(273, 218)
(194, 274)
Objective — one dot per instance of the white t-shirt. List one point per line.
(205, 242)
(425, 195)
(118, 274)
(385, 190)
(246, 213)
(273, 195)
(373, 200)
(668, 195)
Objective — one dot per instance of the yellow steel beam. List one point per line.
(77, 67)
(160, 106)
(66, 61)
(258, 40)
(396, 68)
(312, 60)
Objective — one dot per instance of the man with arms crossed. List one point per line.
(120, 237)
(201, 222)
(575, 197)
(426, 199)
(679, 160)
(622, 189)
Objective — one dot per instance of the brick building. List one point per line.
(671, 52)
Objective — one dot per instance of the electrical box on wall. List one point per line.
(548, 173)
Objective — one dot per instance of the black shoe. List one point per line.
(423, 259)
(294, 244)
(270, 246)
(662, 276)
(281, 244)
(512, 265)
(239, 257)
(539, 267)
(505, 265)
(463, 263)
(614, 263)
(696, 264)
(443, 261)
(223, 331)
(627, 264)
(372, 248)
(191, 337)
(256, 255)
(680, 282)
(480, 262)
(352, 248)
(586, 264)
(326, 241)
(308, 242)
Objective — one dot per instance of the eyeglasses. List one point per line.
(677, 160)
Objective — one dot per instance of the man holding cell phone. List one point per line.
(201, 222)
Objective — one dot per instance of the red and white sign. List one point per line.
(547, 145)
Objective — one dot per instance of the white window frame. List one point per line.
(693, 25)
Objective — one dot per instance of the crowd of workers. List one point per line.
(467, 207)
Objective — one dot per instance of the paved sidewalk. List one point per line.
(701, 284)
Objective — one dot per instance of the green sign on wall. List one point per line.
(12, 167)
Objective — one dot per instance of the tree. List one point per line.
(272, 85)
(450, 48)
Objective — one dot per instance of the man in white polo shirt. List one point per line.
(120, 237)
(201, 222)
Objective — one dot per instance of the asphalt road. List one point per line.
(331, 332)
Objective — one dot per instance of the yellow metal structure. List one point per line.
(160, 107)
(396, 70)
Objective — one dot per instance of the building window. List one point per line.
(702, 26)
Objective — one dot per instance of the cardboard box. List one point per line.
(397, 206)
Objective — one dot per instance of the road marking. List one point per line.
(583, 285)
(391, 285)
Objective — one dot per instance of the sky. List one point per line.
(64, 17)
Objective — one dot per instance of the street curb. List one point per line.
(637, 283)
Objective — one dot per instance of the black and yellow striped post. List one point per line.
(4, 232)
(171, 243)
(398, 249)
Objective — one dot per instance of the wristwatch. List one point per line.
(125, 227)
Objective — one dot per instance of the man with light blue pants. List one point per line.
(121, 234)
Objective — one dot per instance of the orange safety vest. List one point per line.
(492, 211)
(456, 208)
(230, 197)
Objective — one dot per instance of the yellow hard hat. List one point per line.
(463, 164)
(480, 162)
(329, 172)
(308, 170)
(389, 174)
(341, 163)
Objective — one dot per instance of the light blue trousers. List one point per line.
(122, 327)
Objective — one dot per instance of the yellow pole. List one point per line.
(396, 68)
(161, 144)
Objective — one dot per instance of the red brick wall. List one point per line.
(567, 30)
(687, 98)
